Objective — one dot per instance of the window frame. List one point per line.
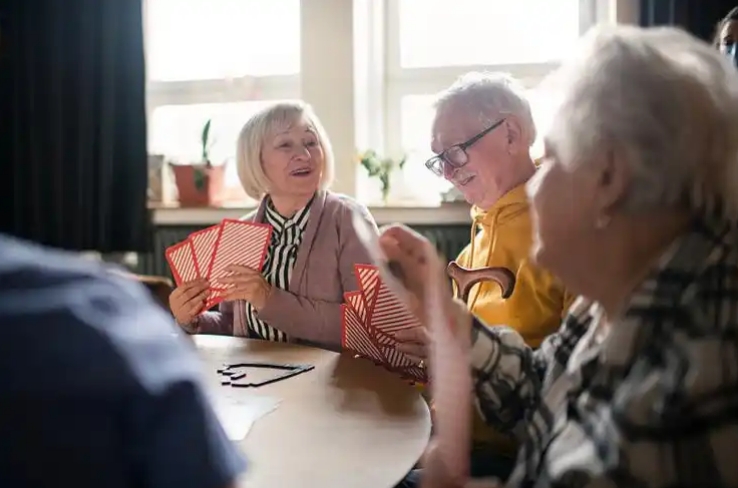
(224, 90)
(400, 82)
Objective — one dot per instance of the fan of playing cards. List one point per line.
(371, 317)
(208, 252)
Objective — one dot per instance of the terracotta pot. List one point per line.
(198, 185)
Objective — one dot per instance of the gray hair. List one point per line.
(664, 101)
(488, 96)
(265, 124)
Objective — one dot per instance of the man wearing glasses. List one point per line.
(482, 134)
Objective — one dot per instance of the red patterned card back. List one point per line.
(203, 245)
(242, 243)
(355, 299)
(368, 278)
(181, 261)
(355, 336)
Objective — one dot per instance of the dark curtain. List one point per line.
(696, 16)
(73, 124)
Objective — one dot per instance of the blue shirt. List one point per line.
(97, 387)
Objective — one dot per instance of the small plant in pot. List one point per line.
(200, 184)
(382, 169)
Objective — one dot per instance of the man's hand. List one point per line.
(249, 285)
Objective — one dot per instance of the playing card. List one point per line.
(355, 299)
(388, 315)
(214, 298)
(356, 337)
(239, 242)
(181, 259)
(368, 278)
(203, 246)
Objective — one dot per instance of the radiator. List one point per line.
(449, 239)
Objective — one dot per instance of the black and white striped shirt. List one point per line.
(280, 260)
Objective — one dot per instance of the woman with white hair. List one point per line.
(634, 208)
(285, 160)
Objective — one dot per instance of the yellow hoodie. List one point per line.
(502, 236)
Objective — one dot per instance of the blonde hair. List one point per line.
(263, 125)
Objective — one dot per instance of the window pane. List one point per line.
(416, 119)
(485, 32)
(215, 39)
(175, 131)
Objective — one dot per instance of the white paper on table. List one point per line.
(239, 410)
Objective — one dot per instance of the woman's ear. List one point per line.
(613, 180)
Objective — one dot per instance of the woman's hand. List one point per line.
(414, 343)
(187, 300)
(421, 271)
(248, 284)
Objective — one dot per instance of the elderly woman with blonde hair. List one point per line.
(634, 208)
(285, 160)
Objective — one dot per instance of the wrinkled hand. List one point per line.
(434, 474)
(186, 301)
(414, 343)
(248, 284)
(421, 267)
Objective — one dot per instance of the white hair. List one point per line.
(489, 96)
(263, 125)
(664, 101)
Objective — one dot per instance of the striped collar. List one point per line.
(280, 222)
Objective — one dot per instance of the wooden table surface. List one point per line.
(347, 423)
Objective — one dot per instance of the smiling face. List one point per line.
(490, 161)
(293, 159)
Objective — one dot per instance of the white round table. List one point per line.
(346, 423)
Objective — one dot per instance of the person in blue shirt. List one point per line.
(97, 387)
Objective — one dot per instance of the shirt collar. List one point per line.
(280, 222)
(671, 283)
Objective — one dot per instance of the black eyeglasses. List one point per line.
(455, 156)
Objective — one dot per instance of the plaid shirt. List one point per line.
(652, 404)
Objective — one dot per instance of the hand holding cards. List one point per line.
(208, 253)
(421, 282)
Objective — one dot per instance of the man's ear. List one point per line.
(514, 135)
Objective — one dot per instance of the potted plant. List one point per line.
(382, 169)
(200, 184)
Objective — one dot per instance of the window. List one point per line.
(485, 32)
(208, 59)
(429, 43)
(221, 39)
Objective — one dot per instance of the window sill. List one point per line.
(443, 214)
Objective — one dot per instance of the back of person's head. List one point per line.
(665, 101)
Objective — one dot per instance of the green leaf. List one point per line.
(205, 136)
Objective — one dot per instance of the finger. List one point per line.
(415, 352)
(240, 269)
(199, 298)
(191, 289)
(413, 335)
(194, 308)
(404, 236)
(241, 279)
(239, 293)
